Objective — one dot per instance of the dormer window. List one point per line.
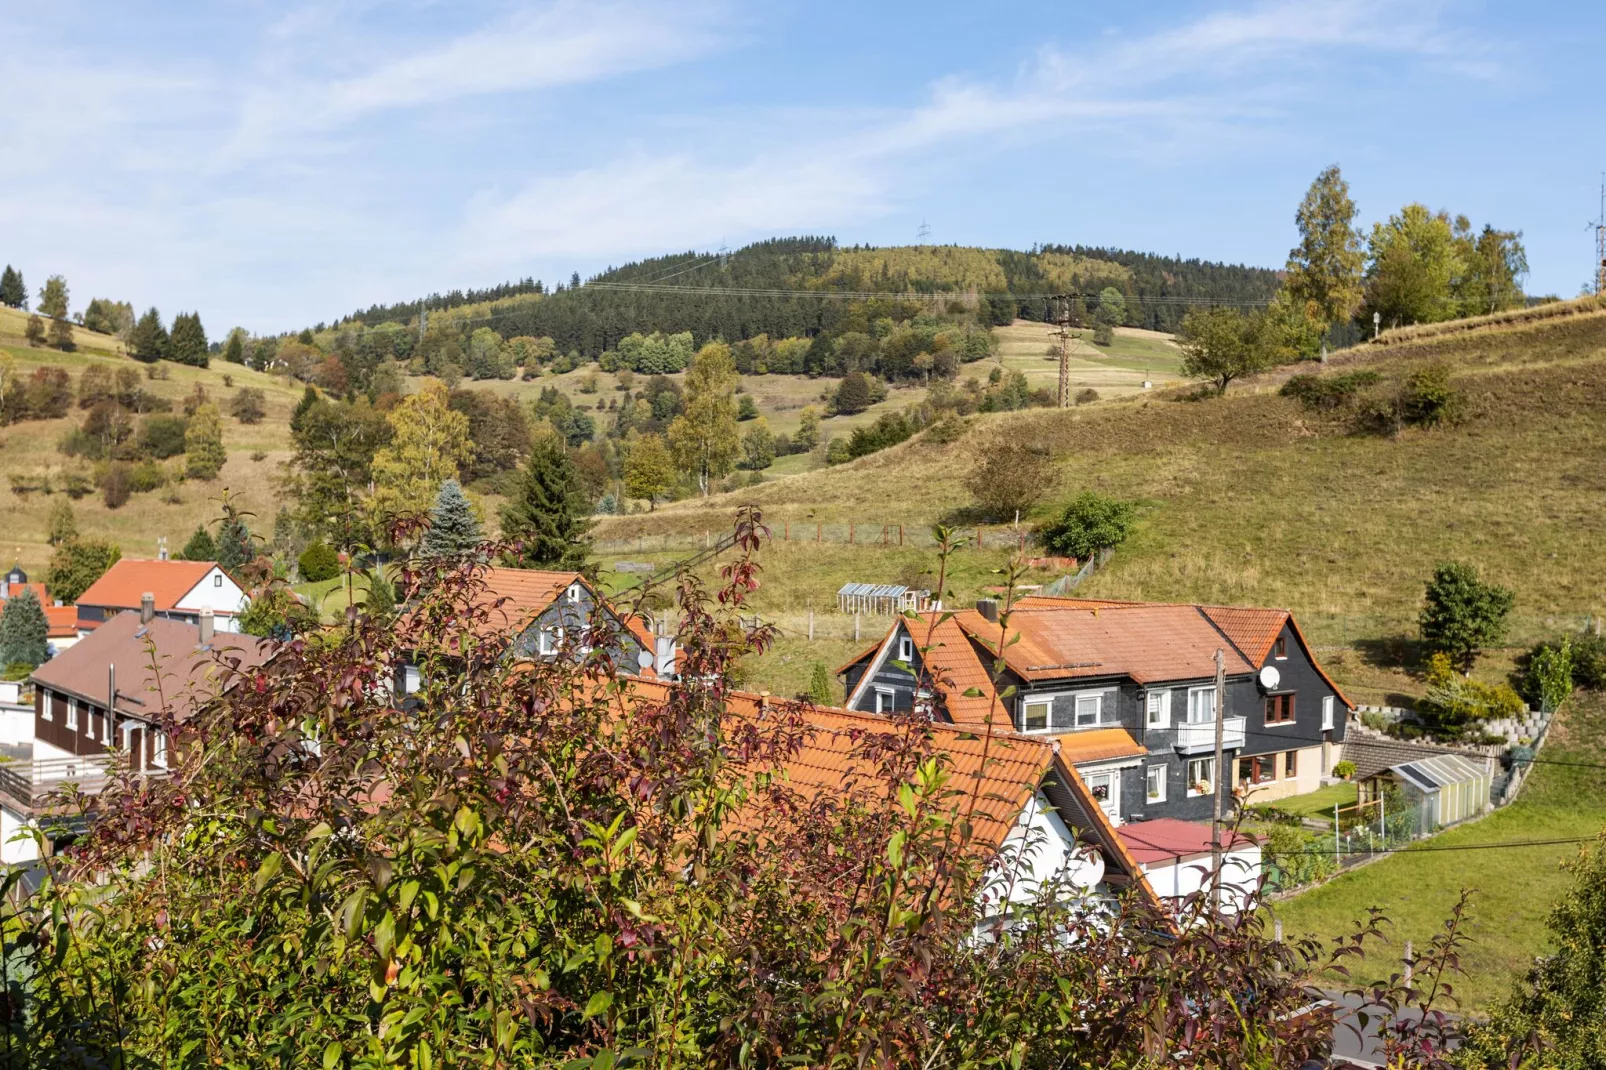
(1279, 649)
(906, 650)
(574, 593)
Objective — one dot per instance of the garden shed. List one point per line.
(1444, 789)
(882, 598)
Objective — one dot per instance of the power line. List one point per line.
(1421, 847)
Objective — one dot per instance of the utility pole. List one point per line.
(1062, 316)
(924, 233)
(1218, 774)
(1600, 242)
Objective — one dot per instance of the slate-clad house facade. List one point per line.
(1127, 690)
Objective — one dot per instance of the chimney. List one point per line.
(206, 627)
(987, 607)
(161, 548)
(147, 607)
(664, 662)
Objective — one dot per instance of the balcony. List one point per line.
(30, 783)
(1196, 738)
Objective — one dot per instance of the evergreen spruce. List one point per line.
(63, 524)
(234, 348)
(200, 547)
(149, 338)
(309, 398)
(23, 631)
(381, 599)
(187, 342)
(453, 528)
(234, 546)
(13, 294)
(548, 515)
(822, 689)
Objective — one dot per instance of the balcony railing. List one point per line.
(1193, 737)
(31, 783)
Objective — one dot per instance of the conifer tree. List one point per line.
(234, 348)
(200, 547)
(204, 454)
(23, 631)
(548, 515)
(149, 339)
(822, 689)
(63, 524)
(13, 293)
(453, 528)
(234, 545)
(187, 342)
(381, 599)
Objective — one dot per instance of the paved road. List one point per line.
(1353, 1043)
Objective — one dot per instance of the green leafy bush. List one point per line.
(1454, 704)
(1344, 769)
(319, 562)
(1323, 393)
(1090, 523)
(1428, 399)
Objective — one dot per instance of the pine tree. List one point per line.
(453, 528)
(149, 339)
(234, 348)
(187, 342)
(23, 631)
(309, 398)
(381, 599)
(822, 689)
(204, 454)
(63, 524)
(548, 514)
(234, 545)
(13, 292)
(200, 547)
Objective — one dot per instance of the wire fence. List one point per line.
(1309, 852)
(875, 533)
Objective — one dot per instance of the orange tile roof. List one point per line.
(1004, 771)
(960, 674)
(1097, 745)
(1147, 642)
(61, 622)
(122, 585)
(1252, 631)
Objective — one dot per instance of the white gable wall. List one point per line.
(219, 593)
(1176, 879)
(1039, 849)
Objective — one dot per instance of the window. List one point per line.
(1280, 649)
(72, 714)
(906, 650)
(1291, 764)
(1034, 714)
(217, 580)
(1201, 775)
(1257, 770)
(45, 699)
(159, 748)
(1280, 709)
(1201, 705)
(886, 700)
(1154, 781)
(574, 592)
(1106, 790)
(1327, 713)
(1088, 710)
(550, 640)
(1158, 705)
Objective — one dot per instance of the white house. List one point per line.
(179, 590)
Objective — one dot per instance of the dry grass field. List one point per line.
(1114, 371)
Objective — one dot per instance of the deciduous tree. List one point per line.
(429, 443)
(53, 297)
(63, 524)
(1462, 614)
(1220, 345)
(204, 455)
(704, 437)
(650, 470)
(1412, 263)
(1324, 270)
(34, 331)
(1010, 477)
(758, 447)
(77, 564)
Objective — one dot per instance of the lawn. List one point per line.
(1319, 803)
(1515, 887)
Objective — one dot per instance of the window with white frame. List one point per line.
(574, 592)
(1327, 714)
(1089, 709)
(159, 748)
(1201, 705)
(549, 641)
(45, 699)
(906, 650)
(72, 714)
(1035, 714)
(1154, 782)
(1201, 776)
(1158, 706)
(886, 700)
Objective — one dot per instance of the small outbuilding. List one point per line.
(1444, 789)
(885, 599)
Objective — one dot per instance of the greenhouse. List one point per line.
(1444, 789)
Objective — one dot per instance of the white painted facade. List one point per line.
(15, 847)
(1177, 878)
(218, 592)
(1041, 848)
(16, 719)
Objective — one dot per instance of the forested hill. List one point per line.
(809, 286)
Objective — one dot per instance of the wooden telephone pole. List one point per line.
(1600, 243)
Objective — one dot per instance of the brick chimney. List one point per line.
(987, 607)
(147, 607)
(206, 627)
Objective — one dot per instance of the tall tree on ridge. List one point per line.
(704, 437)
(53, 297)
(13, 291)
(149, 339)
(186, 344)
(1324, 269)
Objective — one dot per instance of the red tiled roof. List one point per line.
(1252, 631)
(1166, 839)
(182, 677)
(1147, 642)
(61, 622)
(1097, 745)
(122, 585)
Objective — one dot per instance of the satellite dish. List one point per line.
(644, 659)
(1269, 676)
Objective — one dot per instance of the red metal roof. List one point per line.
(1168, 839)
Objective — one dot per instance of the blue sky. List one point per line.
(275, 164)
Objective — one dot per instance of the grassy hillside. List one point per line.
(29, 448)
(1249, 498)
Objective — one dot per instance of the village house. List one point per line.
(1127, 692)
(545, 610)
(179, 590)
(107, 699)
(61, 629)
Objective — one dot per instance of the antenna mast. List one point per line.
(1600, 242)
(924, 233)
